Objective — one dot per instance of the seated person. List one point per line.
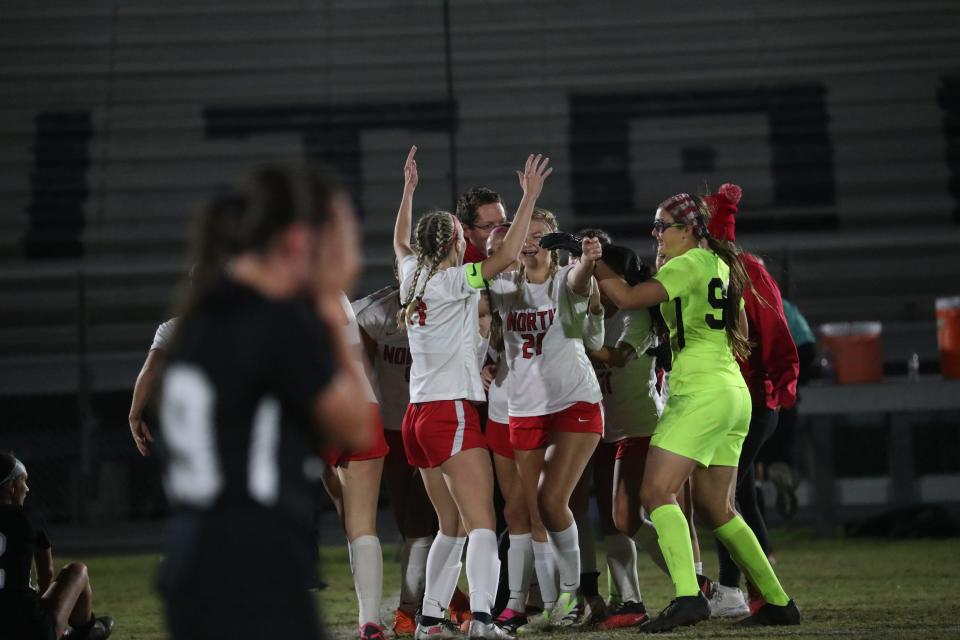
(25, 614)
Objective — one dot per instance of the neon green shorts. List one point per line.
(708, 427)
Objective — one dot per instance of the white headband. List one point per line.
(17, 471)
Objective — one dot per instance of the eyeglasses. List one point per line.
(659, 226)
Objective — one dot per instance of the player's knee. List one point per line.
(516, 514)
(552, 508)
(622, 519)
(75, 571)
(654, 495)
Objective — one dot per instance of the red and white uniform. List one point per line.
(630, 396)
(377, 316)
(552, 383)
(498, 410)
(161, 339)
(378, 449)
(441, 420)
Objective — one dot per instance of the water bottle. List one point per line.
(913, 367)
(827, 373)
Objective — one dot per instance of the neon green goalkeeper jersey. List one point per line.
(696, 283)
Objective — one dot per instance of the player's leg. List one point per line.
(529, 468)
(417, 524)
(520, 552)
(714, 489)
(360, 486)
(69, 601)
(566, 459)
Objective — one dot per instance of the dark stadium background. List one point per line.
(841, 121)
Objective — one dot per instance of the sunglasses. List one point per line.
(659, 226)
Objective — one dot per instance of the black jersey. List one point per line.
(21, 536)
(237, 403)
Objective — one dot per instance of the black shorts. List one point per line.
(25, 618)
(238, 575)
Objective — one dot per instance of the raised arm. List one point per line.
(578, 278)
(640, 296)
(402, 229)
(534, 174)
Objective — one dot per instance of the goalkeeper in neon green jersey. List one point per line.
(701, 431)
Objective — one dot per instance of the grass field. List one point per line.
(845, 588)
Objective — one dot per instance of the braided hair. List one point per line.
(433, 238)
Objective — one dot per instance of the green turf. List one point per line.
(845, 588)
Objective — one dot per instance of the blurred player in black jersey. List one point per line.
(65, 602)
(258, 378)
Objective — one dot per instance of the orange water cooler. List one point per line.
(856, 349)
(948, 335)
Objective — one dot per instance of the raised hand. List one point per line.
(410, 176)
(592, 250)
(534, 174)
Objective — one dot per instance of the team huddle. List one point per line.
(490, 363)
(563, 362)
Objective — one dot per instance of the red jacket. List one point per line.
(473, 254)
(773, 366)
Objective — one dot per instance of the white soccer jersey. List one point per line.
(444, 334)
(498, 408)
(543, 333)
(161, 339)
(630, 399)
(355, 346)
(377, 316)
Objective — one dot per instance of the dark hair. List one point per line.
(7, 462)
(469, 202)
(250, 217)
(599, 234)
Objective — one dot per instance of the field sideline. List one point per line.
(845, 588)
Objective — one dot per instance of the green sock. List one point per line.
(673, 535)
(742, 544)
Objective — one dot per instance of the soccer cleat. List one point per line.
(562, 240)
(99, 629)
(754, 598)
(487, 631)
(564, 613)
(404, 623)
(771, 615)
(536, 624)
(510, 620)
(628, 614)
(782, 478)
(459, 608)
(372, 631)
(681, 612)
(727, 602)
(442, 630)
(594, 612)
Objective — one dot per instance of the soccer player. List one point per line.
(496, 377)
(352, 479)
(771, 375)
(441, 430)
(554, 402)
(703, 425)
(479, 211)
(253, 382)
(388, 350)
(632, 406)
(60, 603)
(146, 379)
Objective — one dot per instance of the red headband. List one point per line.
(723, 208)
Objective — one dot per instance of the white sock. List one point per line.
(483, 569)
(443, 572)
(367, 565)
(698, 567)
(545, 565)
(622, 563)
(588, 547)
(568, 557)
(519, 570)
(646, 539)
(413, 572)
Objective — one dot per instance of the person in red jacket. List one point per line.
(479, 211)
(771, 374)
